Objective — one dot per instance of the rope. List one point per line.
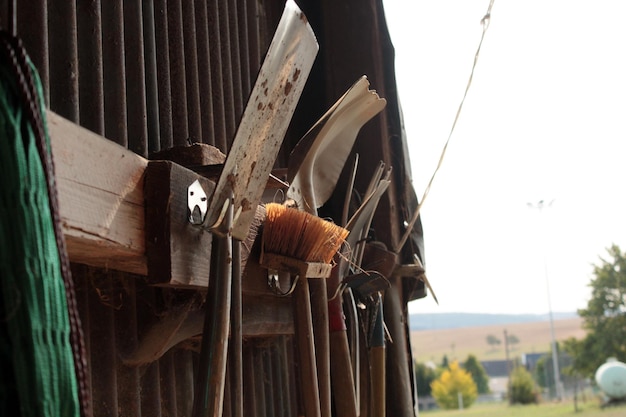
(485, 24)
(41, 345)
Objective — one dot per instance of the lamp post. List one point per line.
(540, 205)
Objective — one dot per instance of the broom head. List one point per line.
(297, 234)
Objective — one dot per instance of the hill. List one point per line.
(457, 343)
(437, 321)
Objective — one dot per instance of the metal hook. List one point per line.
(197, 202)
(273, 283)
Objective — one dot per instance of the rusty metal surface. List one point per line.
(118, 70)
(163, 75)
(116, 309)
(205, 86)
(194, 110)
(34, 14)
(265, 120)
(178, 86)
(63, 58)
(151, 74)
(222, 136)
(243, 50)
(91, 93)
(114, 73)
(151, 80)
(135, 78)
(225, 47)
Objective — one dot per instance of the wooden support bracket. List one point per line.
(108, 223)
(102, 200)
(178, 252)
(295, 266)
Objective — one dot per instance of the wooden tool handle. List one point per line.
(306, 349)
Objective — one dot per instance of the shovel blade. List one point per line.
(265, 120)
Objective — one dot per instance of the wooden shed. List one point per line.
(126, 82)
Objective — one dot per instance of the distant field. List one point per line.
(587, 409)
(431, 345)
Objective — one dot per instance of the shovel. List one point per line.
(358, 225)
(314, 168)
(231, 208)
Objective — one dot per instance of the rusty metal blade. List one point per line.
(265, 120)
(319, 158)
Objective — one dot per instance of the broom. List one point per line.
(303, 245)
(300, 235)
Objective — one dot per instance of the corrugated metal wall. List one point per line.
(150, 75)
(118, 309)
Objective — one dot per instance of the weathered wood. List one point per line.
(295, 266)
(102, 204)
(265, 316)
(101, 198)
(100, 188)
(195, 154)
(178, 252)
(262, 317)
(305, 344)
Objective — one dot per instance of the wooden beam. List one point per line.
(101, 200)
(103, 209)
(178, 252)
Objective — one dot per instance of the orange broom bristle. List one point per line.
(300, 235)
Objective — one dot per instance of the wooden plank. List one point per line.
(100, 187)
(178, 252)
(102, 203)
(295, 266)
(265, 316)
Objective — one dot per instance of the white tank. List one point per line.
(611, 378)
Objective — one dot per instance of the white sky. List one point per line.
(545, 118)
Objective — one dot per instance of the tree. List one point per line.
(424, 376)
(512, 340)
(493, 341)
(479, 375)
(604, 318)
(452, 382)
(544, 369)
(444, 361)
(522, 387)
(541, 371)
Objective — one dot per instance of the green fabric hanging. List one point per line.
(37, 373)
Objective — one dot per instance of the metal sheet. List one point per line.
(63, 59)
(191, 72)
(135, 78)
(114, 72)
(34, 14)
(150, 57)
(204, 73)
(265, 120)
(163, 74)
(180, 127)
(222, 137)
(91, 92)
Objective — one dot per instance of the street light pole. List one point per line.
(555, 361)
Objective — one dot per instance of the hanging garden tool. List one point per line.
(265, 119)
(358, 225)
(314, 169)
(303, 245)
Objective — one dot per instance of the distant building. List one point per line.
(498, 368)
(529, 360)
